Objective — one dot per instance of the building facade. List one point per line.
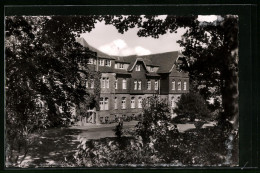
(127, 80)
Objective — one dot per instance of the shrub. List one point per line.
(192, 106)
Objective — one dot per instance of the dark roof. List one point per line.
(164, 61)
(100, 54)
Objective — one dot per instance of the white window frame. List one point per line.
(106, 103)
(138, 67)
(185, 86)
(173, 85)
(115, 103)
(172, 102)
(139, 85)
(101, 62)
(156, 85)
(135, 85)
(90, 61)
(132, 102)
(149, 85)
(140, 102)
(101, 103)
(123, 103)
(86, 83)
(179, 85)
(121, 66)
(116, 65)
(108, 62)
(124, 82)
(103, 83)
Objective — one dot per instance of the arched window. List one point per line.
(106, 104)
(140, 102)
(139, 85)
(123, 102)
(185, 86)
(107, 82)
(173, 85)
(179, 85)
(101, 103)
(172, 102)
(156, 85)
(148, 85)
(135, 85)
(124, 83)
(132, 102)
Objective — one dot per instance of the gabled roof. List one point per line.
(165, 61)
(100, 54)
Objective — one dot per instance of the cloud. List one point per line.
(142, 51)
(119, 47)
(207, 18)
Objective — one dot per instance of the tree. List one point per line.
(192, 106)
(42, 67)
(210, 48)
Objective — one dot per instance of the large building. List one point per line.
(127, 80)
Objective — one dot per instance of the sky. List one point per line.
(107, 39)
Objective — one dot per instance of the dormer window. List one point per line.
(179, 85)
(90, 61)
(121, 66)
(101, 62)
(108, 63)
(137, 67)
(151, 69)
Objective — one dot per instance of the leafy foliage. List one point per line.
(43, 73)
(191, 106)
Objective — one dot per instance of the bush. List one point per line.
(192, 106)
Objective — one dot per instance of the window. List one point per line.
(116, 84)
(106, 104)
(101, 103)
(179, 85)
(137, 67)
(92, 83)
(90, 61)
(101, 62)
(135, 85)
(123, 103)
(86, 83)
(108, 63)
(103, 83)
(115, 102)
(151, 69)
(172, 102)
(185, 86)
(140, 102)
(116, 65)
(132, 102)
(107, 82)
(121, 66)
(148, 85)
(173, 85)
(124, 83)
(94, 61)
(139, 85)
(156, 85)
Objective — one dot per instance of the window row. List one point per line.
(138, 85)
(104, 102)
(101, 62)
(179, 85)
(124, 84)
